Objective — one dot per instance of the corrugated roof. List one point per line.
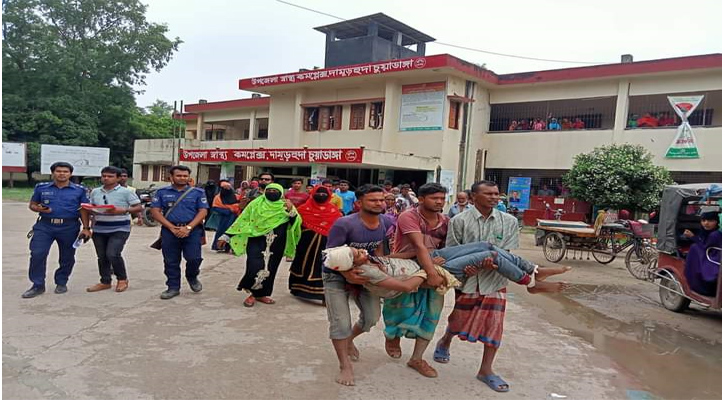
(387, 26)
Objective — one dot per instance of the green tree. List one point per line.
(69, 68)
(620, 176)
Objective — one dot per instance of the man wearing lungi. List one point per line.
(481, 303)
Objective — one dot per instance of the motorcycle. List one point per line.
(146, 196)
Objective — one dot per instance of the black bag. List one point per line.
(157, 243)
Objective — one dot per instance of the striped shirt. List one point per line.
(499, 229)
(120, 197)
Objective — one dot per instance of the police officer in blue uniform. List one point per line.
(182, 230)
(59, 205)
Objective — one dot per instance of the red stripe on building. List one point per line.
(223, 105)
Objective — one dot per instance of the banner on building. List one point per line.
(319, 173)
(421, 107)
(86, 161)
(519, 192)
(684, 144)
(340, 156)
(14, 157)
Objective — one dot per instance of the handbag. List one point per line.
(157, 243)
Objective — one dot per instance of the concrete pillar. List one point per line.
(199, 126)
(373, 29)
(420, 48)
(622, 110)
(391, 112)
(398, 38)
(296, 134)
(253, 125)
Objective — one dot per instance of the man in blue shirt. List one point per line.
(59, 205)
(112, 228)
(347, 196)
(182, 230)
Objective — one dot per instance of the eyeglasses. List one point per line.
(105, 200)
(265, 179)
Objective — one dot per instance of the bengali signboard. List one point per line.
(86, 161)
(375, 68)
(684, 145)
(421, 107)
(339, 156)
(14, 157)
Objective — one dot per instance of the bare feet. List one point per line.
(545, 272)
(346, 377)
(548, 287)
(353, 352)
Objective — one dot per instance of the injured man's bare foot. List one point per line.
(545, 272)
(548, 287)
(346, 377)
(353, 352)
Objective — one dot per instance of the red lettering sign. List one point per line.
(320, 156)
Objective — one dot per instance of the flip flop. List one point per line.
(266, 300)
(494, 382)
(249, 302)
(393, 350)
(442, 355)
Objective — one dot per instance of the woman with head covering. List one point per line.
(226, 206)
(265, 215)
(702, 273)
(318, 214)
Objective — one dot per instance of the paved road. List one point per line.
(132, 345)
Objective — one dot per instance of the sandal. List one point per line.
(494, 382)
(249, 302)
(392, 347)
(423, 368)
(442, 355)
(266, 300)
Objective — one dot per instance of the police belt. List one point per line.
(59, 221)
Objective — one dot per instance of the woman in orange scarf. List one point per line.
(318, 215)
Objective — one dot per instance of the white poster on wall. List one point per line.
(421, 107)
(14, 155)
(319, 173)
(86, 161)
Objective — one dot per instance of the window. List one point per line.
(376, 115)
(655, 111)
(262, 128)
(144, 172)
(311, 119)
(245, 134)
(323, 118)
(357, 116)
(214, 134)
(454, 114)
(157, 173)
(164, 172)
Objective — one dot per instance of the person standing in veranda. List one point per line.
(480, 306)
(366, 230)
(415, 315)
(182, 230)
(112, 228)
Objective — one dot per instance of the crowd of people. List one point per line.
(546, 124)
(651, 120)
(391, 250)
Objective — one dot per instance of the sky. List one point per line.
(227, 40)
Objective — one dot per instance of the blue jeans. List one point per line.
(44, 234)
(172, 248)
(511, 266)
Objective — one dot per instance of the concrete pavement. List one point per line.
(133, 345)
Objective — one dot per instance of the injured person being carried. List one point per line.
(392, 275)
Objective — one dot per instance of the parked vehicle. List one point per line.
(681, 208)
(146, 195)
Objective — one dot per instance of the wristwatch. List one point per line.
(188, 227)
